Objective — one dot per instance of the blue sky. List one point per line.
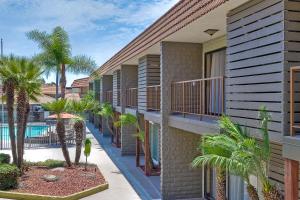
(96, 28)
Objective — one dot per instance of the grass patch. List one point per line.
(50, 163)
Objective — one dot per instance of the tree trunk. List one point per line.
(272, 194)
(25, 123)
(252, 192)
(21, 111)
(78, 127)
(10, 95)
(56, 84)
(221, 185)
(63, 81)
(60, 129)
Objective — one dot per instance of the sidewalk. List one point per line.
(119, 187)
(146, 187)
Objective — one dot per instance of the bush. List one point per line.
(50, 163)
(8, 176)
(4, 158)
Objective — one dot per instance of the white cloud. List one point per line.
(97, 28)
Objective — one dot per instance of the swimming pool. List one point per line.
(31, 131)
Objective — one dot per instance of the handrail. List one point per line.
(204, 97)
(153, 98)
(131, 97)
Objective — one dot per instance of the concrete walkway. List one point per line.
(146, 187)
(119, 187)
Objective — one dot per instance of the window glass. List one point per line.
(237, 189)
(154, 142)
(209, 183)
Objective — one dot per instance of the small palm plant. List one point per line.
(129, 119)
(80, 108)
(107, 112)
(58, 107)
(87, 150)
(241, 155)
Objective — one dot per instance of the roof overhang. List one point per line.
(185, 22)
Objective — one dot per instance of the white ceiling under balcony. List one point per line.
(194, 32)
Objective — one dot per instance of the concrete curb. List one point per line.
(75, 196)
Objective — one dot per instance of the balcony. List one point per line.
(153, 98)
(131, 98)
(108, 96)
(202, 97)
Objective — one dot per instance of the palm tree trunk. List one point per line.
(60, 129)
(56, 84)
(21, 111)
(221, 184)
(10, 94)
(272, 194)
(78, 127)
(63, 81)
(25, 123)
(252, 192)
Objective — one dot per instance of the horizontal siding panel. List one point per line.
(269, 39)
(261, 51)
(263, 60)
(271, 87)
(246, 16)
(264, 78)
(257, 34)
(272, 106)
(261, 97)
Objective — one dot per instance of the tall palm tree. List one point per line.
(79, 108)
(8, 77)
(56, 55)
(58, 107)
(29, 87)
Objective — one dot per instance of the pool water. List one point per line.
(31, 131)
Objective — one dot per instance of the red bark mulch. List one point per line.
(71, 180)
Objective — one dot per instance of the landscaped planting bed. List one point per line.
(59, 181)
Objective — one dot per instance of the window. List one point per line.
(154, 143)
(209, 183)
(237, 189)
(214, 68)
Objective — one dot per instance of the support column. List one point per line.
(291, 179)
(128, 79)
(179, 61)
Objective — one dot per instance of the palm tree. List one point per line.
(129, 119)
(58, 107)
(29, 87)
(80, 108)
(224, 153)
(240, 154)
(56, 55)
(8, 73)
(107, 112)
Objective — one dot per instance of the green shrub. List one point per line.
(50, 163)
(53, 163)
(8, 176)
(4, 158)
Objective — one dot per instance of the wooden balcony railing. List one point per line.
(294, 126)
(131, 98)
(108, 96)
(204, 97)
(153, 98)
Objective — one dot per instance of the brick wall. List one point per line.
(128, 79)
(179, 61)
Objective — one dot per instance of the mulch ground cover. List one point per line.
(68, 180)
